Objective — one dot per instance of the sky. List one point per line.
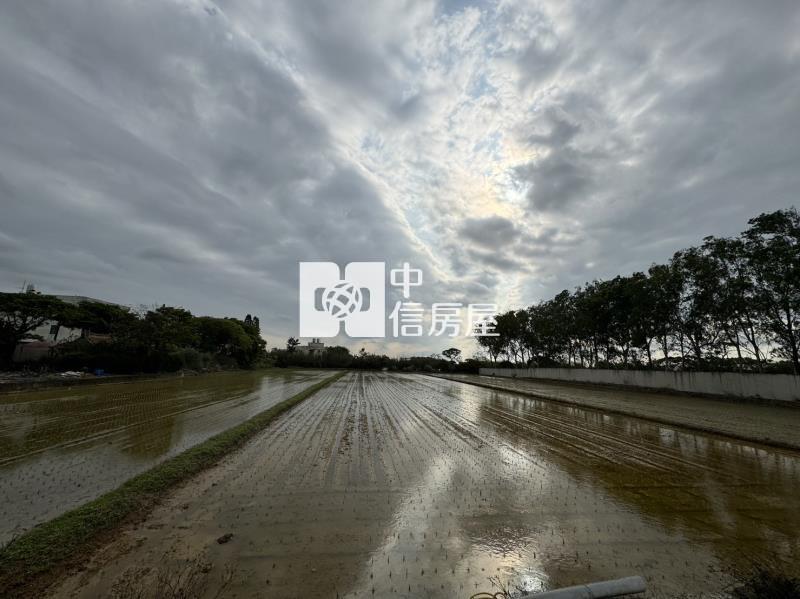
(192, 153)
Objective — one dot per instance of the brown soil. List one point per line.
(408, 486)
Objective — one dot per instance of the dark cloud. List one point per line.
(561, 132)
(496, 260)
(164, 153)
(491, 232)
(410, 107)
(163, 255)
(668, 122)
(340, 43)
(170, 170)
(565, 171)
(558, 179)
(541, 60)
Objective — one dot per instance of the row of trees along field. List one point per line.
(731, 303)
(340, 357)
(122, 341)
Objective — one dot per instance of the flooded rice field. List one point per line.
(385, 485)
(777, 424)
(64, 446)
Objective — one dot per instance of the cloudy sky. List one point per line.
(191, 153)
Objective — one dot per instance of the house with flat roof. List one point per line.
(51, 333)
(315, 346)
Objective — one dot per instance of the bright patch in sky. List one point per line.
(191, 154)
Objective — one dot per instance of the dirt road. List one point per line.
(386, 485)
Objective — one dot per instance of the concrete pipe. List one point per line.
(595, 590)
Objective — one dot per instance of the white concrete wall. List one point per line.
(781, 387)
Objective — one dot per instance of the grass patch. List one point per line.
(66, 539)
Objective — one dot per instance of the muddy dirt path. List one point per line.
(61, 447)
(772, 424)
(386, 485)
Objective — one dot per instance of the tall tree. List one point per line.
(666, 286)
(453, 354)
(773, 249)
(171, 328)
(699, 308)
(21, 313)
(641, 316)
(738, 310)
(493, 344)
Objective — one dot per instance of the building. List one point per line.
(51, 333)
(315, 346)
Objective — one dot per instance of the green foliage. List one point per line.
(20, 313)
(773, 248)
(340, 357)
(119, 341)
(97, 317)
(233, 339)
(169, 328)
(453, 354)
(730, 303)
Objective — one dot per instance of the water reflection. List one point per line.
(406, 486)
(739, 500)
(64, 446)
(587, 494)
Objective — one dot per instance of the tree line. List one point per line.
(340, 357)
(731, 303)
(121, 340)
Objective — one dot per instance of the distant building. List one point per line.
(77, 299)
(315, 346)
(51, 333)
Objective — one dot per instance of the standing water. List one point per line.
(62, 447)
(386, 485)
